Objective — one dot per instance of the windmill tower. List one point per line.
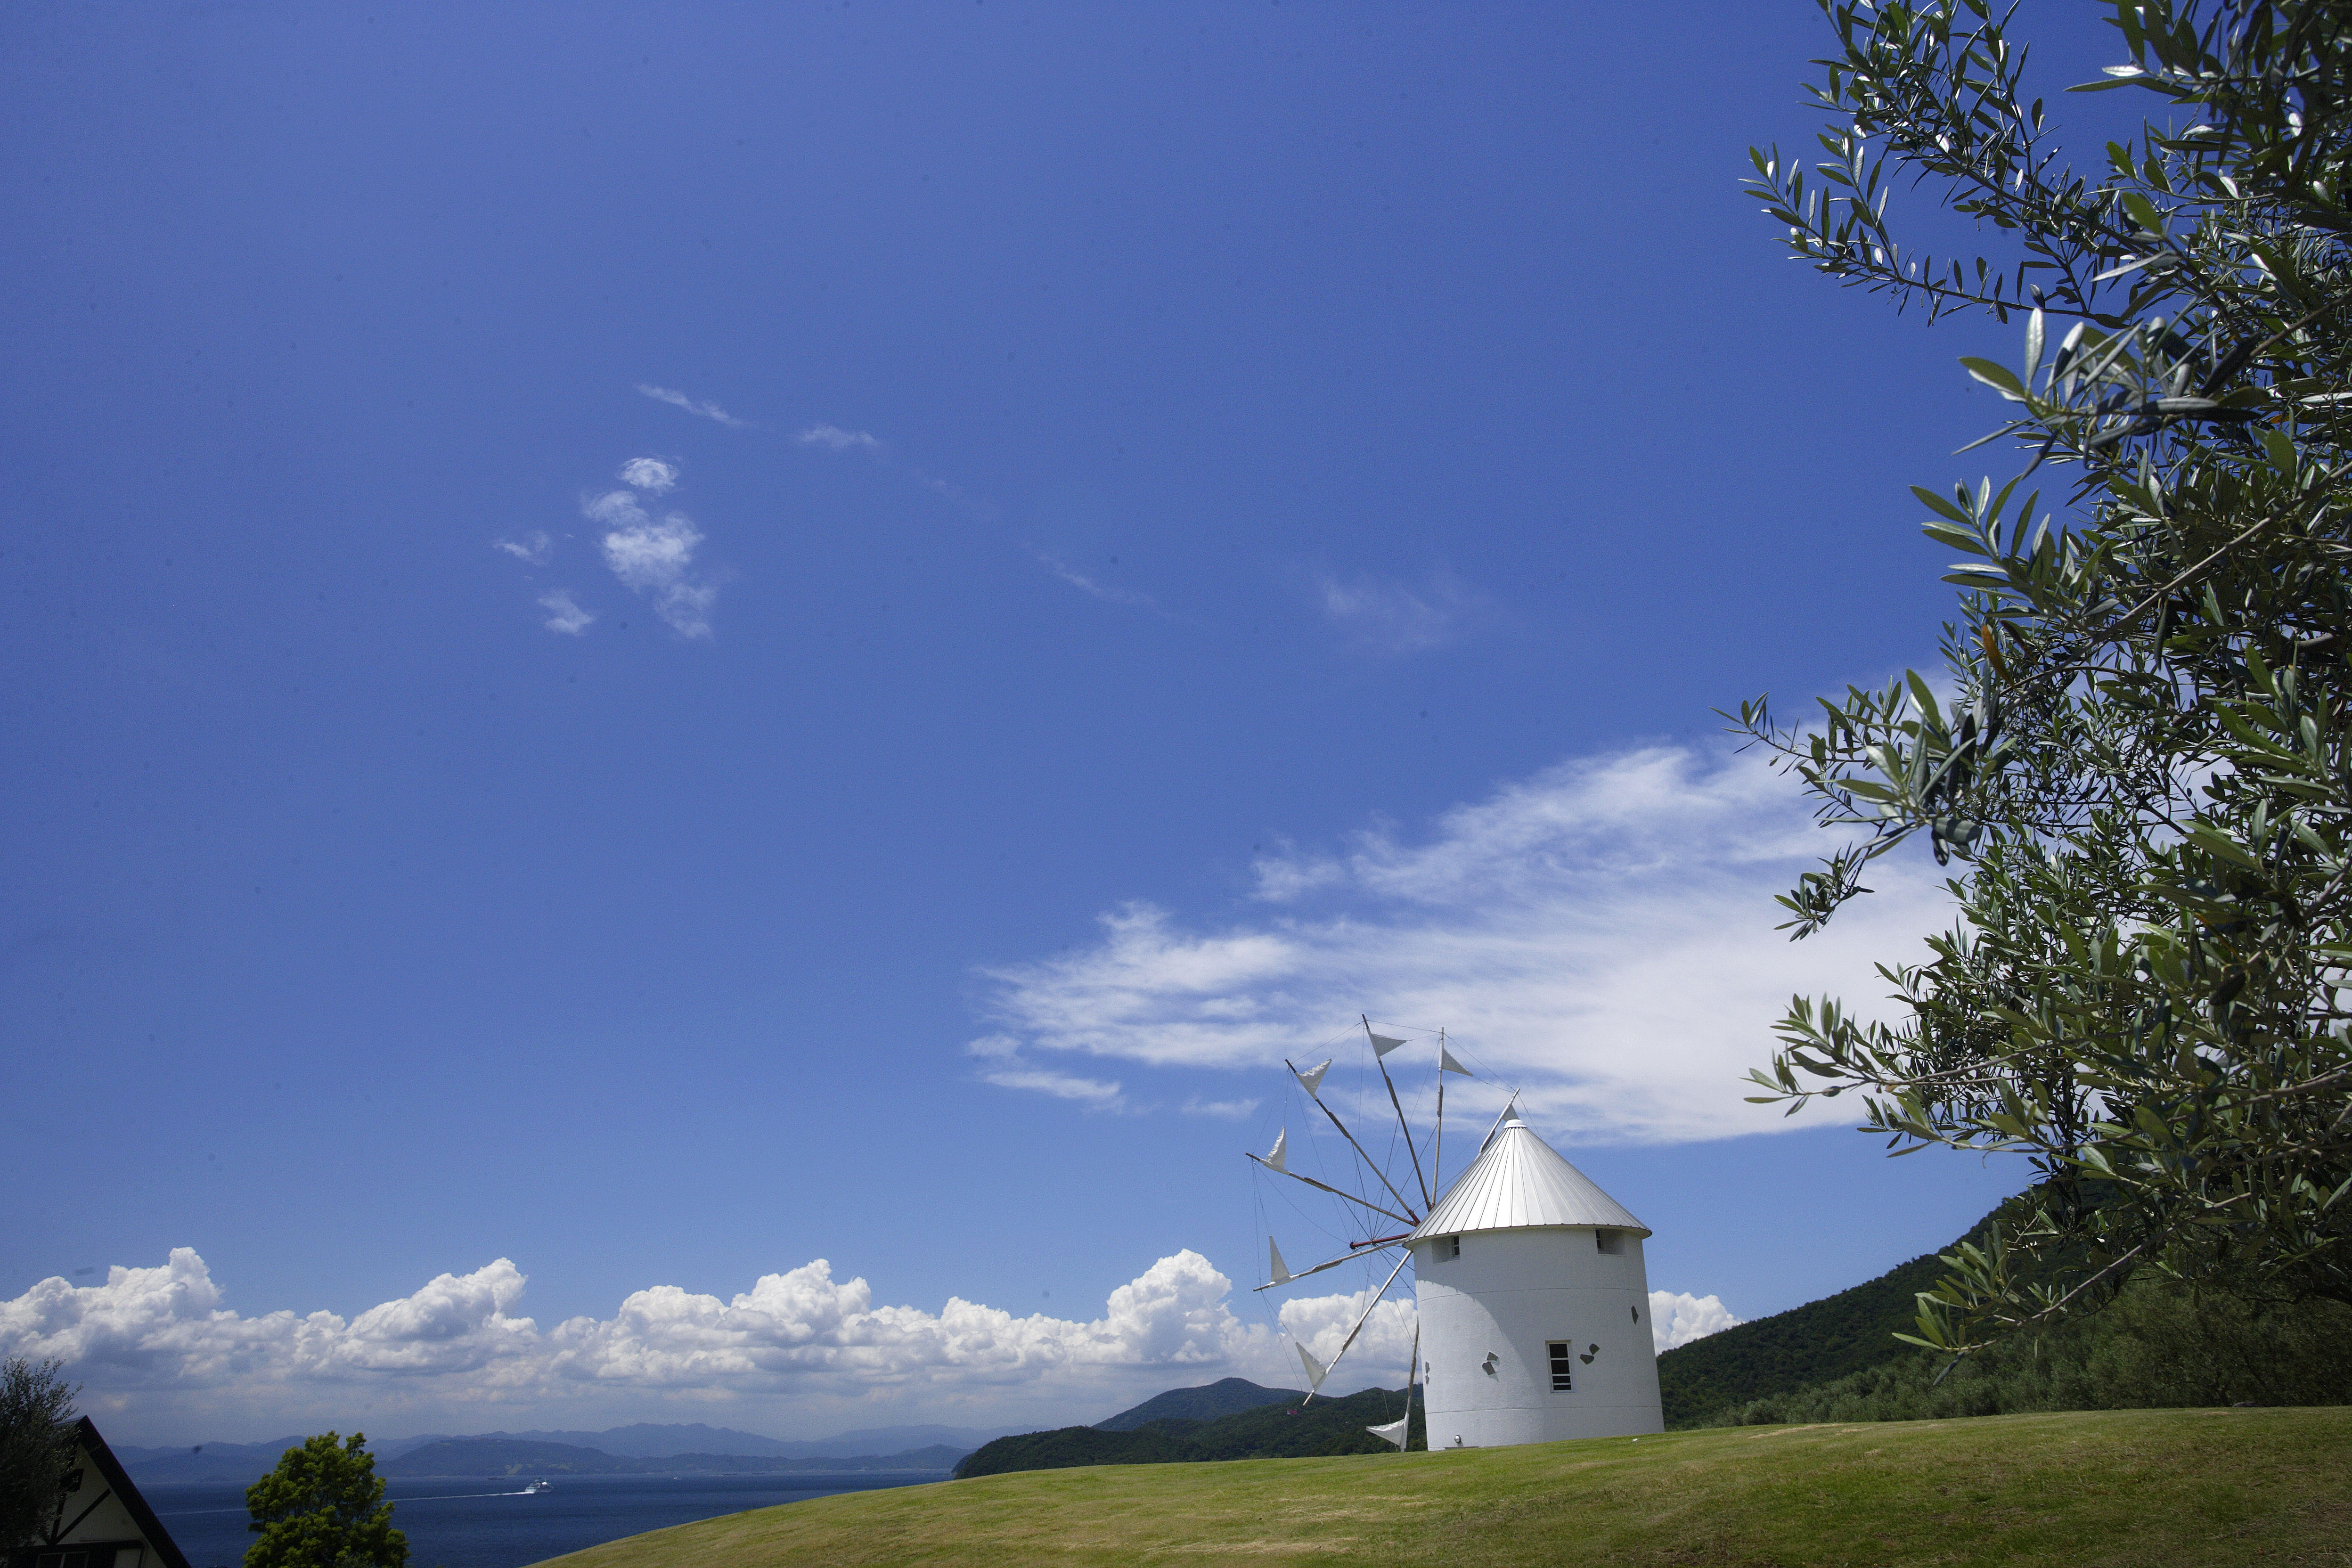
(1534, 1304)
(1532, 1300)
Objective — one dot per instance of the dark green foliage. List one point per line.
(1287, 1430)
(37, 1445)
(2155, 1346)
(323, 1507)
(1226, 1397)
(2138, 757)
(1818, 1342)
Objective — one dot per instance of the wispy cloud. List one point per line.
(564, 616)
(652, 555)
(840, 440)
(1006, 1069)
(1599, 934)
(707, 410)
(1390, 618)
(534, 547)
(1223, 1109)
(1086, 585)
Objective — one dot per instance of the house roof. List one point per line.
(110, 1469)
(1519, 1181)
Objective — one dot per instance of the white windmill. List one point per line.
(1533, 1302)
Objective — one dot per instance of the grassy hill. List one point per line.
(2147, 1488)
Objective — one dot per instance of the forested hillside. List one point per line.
(1286, 1430)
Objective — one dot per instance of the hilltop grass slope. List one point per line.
(2150, 1489)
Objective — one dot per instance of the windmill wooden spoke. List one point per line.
(1361, 1319)
(1282, 1275)
(1401, 1219)
(1369, 1163)
(1381, 1046)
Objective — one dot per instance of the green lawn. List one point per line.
(2143, 1487)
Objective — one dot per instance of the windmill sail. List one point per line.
(1316, 1371)
(1394, 1431)
(1312, 1078)
(1282, 1274)
(1281, 1139)
(1383, 1044)
(1445, 1063)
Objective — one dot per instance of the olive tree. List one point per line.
(2136, 760)
(323, 1507)
(37, 1445)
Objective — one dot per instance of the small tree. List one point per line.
(2143, 763)
(323, 1507)
(37, 1445)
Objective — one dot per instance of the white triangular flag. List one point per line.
(1282, 1275)
(1276, 1158)
(1312, 1078)
(1383, 1044)
(1316, 1371)
(1445, 1063)
(1394, 1431)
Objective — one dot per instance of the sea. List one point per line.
(458, 1523)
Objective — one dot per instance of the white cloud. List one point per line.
(564, 616)
(1598, 935)
(1006, 1069)
(839, 439)
(1676, 1319)
(649, 474)
(534, 547)
(1224, 1109)
(707, 410)
(161, 1348)
(1086, 584)
(1389, 618)
(651, 555)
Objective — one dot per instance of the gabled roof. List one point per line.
(143, 1517)
(1517, 1181)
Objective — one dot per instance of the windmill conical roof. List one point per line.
(1519, 1180)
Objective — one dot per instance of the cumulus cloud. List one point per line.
(707, 410)
(652, 555)
(162, 1345)
(564, 616)
(1390, 618)
(839, 439)
(534, 547)
(1599, 934)
(1676, 1319)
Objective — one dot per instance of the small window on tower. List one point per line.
(1449, 1248)
(1609, 1240)
(1562, 1361)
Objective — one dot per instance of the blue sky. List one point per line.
(1154, 530)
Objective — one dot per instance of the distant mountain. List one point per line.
(528, 1457)
(1816, 1342)
(209, 1462)
(1289, 1429)
(1226, 1397)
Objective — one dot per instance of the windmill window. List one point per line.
(1609, 1240)
(1448, 1249)
(1562, 1362)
